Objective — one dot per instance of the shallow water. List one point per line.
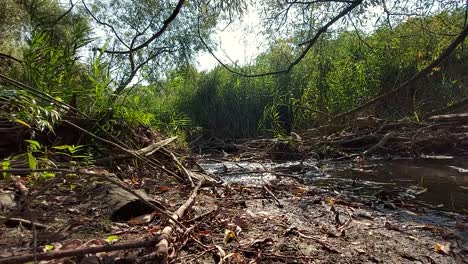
(441, 182)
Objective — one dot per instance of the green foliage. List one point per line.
(6, 165)
(18, 106)
(340, 73)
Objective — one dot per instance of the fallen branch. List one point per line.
(128, 151)
(107, 178)
(184, 170)
(146, 151)
(25, 222)
(381, 143)
(278, 203)
(77, 252)
(163, 245)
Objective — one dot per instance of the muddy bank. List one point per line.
(257, 217)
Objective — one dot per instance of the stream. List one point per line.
(438, 182)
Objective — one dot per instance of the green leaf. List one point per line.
(48, 248)
(33, 144)
(32, 162)
(6, 166)
(112, 239)
(47, 175)
(62, 147)
(22, 123)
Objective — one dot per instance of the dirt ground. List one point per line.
(239, 224)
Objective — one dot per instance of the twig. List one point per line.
(184, 170)
(195, 219)
(163, 245)
(278, 203)
(25, 222)
(28, 210)
(106, 177)
(316, 239)
(381, 143)
(146, 151)
(77, 252)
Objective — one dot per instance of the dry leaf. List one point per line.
(164, 188)
(442, 248)
(238, 230)
(235, 258)
(72, 244)
(154, 229)
(229, 236)
(140, 220)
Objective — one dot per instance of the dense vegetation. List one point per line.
(46, 47)
(102, 104)
(343, 71)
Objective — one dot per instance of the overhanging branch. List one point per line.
(155, 36)
(447, 51)
(309, 44)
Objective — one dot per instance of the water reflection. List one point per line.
(446, 180)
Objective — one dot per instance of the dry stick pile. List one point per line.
(439, 135)
(161, 241)
(143, 154)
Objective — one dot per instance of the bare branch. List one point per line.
(104, 24)
(158, 34)
(72, 5)
(134, 69)
(309, 44)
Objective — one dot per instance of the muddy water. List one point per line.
(440, 182)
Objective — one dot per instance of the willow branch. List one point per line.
(155, 36)
(309, 44)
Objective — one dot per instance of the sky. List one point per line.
(235, 43)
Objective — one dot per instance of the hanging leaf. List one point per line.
(19, 121)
